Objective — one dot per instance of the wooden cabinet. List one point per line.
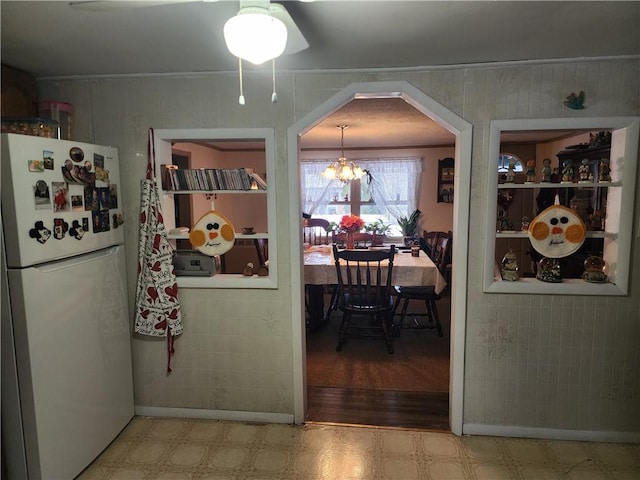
(604, 204)
(446, 173)
(225, 185)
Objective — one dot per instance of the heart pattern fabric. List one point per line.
(157, 310)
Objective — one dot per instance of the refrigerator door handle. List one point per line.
(77, 260)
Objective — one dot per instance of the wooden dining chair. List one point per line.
(365, 290)
(430, 239)
(316, 231)
(440, 256)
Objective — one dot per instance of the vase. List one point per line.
(350, 244)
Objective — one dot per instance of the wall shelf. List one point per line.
(265, 136)
(209, 192)
(615, 198)
(446, 174)
(506, 186)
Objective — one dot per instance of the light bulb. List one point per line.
(254, 35)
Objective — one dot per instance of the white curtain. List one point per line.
(395, 179)
(395, 183)
(315, 188)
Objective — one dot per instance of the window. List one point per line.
(390, 192)
(503, 163)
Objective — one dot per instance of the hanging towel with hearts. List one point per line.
(157, 310)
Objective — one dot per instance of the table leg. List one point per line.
(315, 306)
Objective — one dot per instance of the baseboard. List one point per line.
(550, 433)
(238, 416)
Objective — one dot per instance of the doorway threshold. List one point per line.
(379, 408)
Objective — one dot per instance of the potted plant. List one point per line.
(409, 225)
(379, 230)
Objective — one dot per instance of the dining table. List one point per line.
(320, 271)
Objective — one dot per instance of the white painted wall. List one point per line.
(547, 364)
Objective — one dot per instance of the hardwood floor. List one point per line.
(383, 408)
(362, 385)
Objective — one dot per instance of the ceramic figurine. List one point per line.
(605, 173)
(546, 170)
(504, 224)
(567, 172)
(524, 225)
(596, 221)
(511, 172)
(247, 270)
(510, 269)
(584, 170)
(531, 171)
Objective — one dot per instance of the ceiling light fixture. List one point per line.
(343, 170)
(256, 36)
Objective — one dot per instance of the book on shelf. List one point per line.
(260, 182)
(208, 179)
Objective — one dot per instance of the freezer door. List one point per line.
(73, 349)
(59, 198)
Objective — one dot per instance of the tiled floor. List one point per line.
(155, 448)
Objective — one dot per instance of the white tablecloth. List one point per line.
(408, 271)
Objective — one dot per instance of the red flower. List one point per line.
(351, 224)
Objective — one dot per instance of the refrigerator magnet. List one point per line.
(40, 232)
(76, 230)
(47, 158)
(36, 166)
(60, 197)
(66, 171)
(102, 174)
(60, 228)
(117, 220)
(113, 195)
(90, 198)
(100, 219)
(77, 205)
(76, 154)
(41, 197)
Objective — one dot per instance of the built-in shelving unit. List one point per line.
(446, 174)
(615, 198)
(257, 138)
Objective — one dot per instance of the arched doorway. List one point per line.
(463, 132)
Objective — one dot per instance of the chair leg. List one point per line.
(433, 310)
(429, 313)
(342, 331)
(387, 336)
(333, 303)
(403, 313)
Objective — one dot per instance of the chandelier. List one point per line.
(342, 169)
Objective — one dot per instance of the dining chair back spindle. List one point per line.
(316, 231)
(365, 290)
(429, 240)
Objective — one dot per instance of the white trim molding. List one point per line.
(231, 415)
(551, 433)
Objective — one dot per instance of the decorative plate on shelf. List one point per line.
(557, 232)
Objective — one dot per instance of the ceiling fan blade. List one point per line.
(295, 40)
(105, 5)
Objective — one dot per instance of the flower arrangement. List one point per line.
(351, 224)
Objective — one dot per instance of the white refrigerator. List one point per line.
(67, 388)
